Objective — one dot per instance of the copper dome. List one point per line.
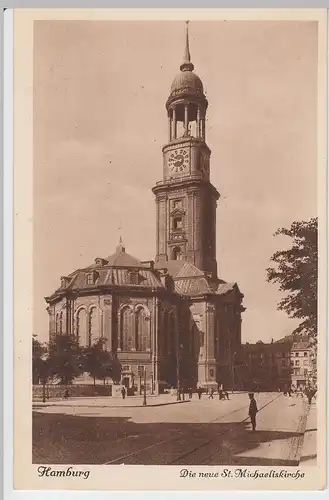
(187, 82)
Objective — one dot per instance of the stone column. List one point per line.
(203, 125)
(186, 119)
(174, 134)
(162, 227)
(198, 122)
(155, 346)
(107, 322)
(169, 126)
(52, 321)
(101, 323)
(210, 361)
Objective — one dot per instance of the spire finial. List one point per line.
(121, 246)
(187, 65)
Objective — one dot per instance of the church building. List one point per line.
(173, 317)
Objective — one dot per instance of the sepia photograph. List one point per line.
(175, 248)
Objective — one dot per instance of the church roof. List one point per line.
(122, 259)
(118, 276)
(182, 269)
(192, 286)
(191, 281)
(119, 269)
(225, 288)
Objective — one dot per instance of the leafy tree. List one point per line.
(38, 363)
(65, 358)
(296, 271)
(101, 363)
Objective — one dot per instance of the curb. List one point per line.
(297, 441)
(304, 441)
(38, 406)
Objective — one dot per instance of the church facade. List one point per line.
(172, 318)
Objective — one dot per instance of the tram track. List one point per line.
(209, 441)
(132, 456)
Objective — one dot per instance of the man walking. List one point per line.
(252, 410)
(211, 393)
(123, 392)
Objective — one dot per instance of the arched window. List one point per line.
(177, 253)
(126, 330)
(81, 327)
(61, 323)
(142, 338)
(178, 222)
(93, 330)
(57, 324)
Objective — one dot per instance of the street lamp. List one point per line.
(144, 398)
(179, 347)
(152, 384)
(44, 359)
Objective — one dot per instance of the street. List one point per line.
(209, 432)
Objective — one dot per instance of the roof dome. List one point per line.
(187, 81)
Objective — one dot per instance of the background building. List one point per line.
(272, 366)
(174, 318)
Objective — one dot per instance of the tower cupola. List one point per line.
(187, 104)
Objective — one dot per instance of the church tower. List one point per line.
(186, 200)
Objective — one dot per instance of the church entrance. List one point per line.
(125, 382)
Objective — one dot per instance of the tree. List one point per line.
(101, 363)
(65, 358)
(296, 271)
(38, 365)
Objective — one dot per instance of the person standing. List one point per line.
(199, 391)
(123, 392)
(252, 410)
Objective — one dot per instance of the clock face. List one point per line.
(178, 160)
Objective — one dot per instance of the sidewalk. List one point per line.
(116, 402)
(111, 402)
(309, 446)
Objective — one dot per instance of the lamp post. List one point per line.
(233, 371)
(178, 374)
(44, 359)
(178, 370)
(144, 398)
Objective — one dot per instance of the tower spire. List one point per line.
(186, 64)
(121, 245)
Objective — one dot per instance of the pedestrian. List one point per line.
(310, 393)
(123, 392)
(66, 394)
(252, 410)
(190, 393)
(199, 391)
(211, 393)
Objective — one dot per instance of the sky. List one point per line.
(100, 122)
